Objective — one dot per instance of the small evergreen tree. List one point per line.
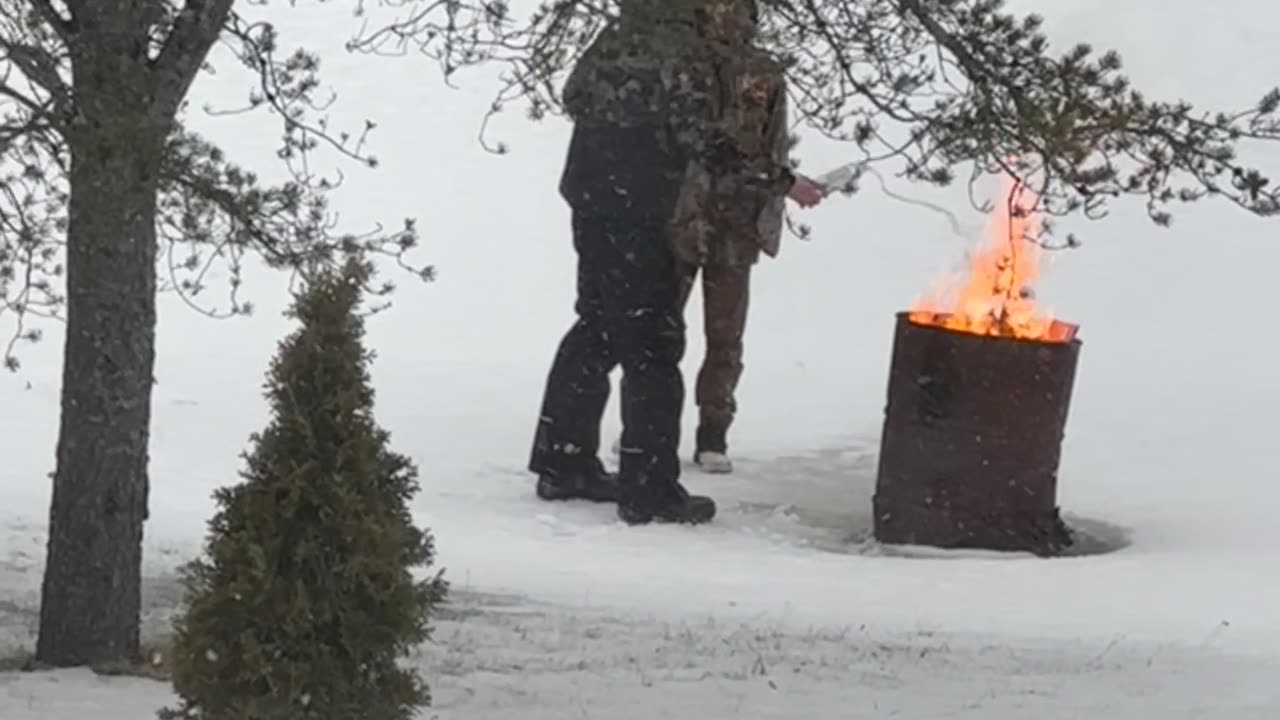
(305, 599)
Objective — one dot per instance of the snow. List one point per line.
(783, 607)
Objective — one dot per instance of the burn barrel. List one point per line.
(972, 439)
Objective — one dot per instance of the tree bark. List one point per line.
(125, 107)
(91, 596)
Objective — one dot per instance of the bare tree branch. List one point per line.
(39, 65)
(60, 25)
(195, 29)
(934, 88)
(211, 215)
(23, 99)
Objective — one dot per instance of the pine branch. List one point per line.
(217, 213)
(135, 63)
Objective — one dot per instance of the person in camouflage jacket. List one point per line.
(725, 217)
(643, 99)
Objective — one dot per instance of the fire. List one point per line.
(997, 296)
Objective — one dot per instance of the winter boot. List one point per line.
(711, 455)
(644, 503)
(594, 484)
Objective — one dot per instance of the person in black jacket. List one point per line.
(641, 103)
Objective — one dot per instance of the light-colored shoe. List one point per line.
(714, 463)
(617, 447)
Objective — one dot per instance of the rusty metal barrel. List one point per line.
(972, 440)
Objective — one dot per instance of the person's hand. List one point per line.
(806, 193)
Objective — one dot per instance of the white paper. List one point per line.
(839, 178)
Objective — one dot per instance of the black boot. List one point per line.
(711, 439)
(594, 485)
(712, 451)
(665, 502)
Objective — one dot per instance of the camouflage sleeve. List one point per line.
(769, 167)
(780, 142)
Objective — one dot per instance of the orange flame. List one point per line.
(997, 297)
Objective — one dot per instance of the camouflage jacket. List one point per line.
(637, 111)
(725, 216)
(634, 76)
(719, 115)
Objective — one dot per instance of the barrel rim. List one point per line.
(904, 319)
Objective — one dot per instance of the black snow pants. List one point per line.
(628, 314)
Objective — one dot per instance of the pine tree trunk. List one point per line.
(91, 597)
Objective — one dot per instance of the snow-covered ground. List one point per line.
(782, 608)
